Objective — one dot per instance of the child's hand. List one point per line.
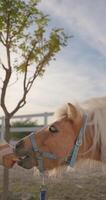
(7, 156)
(9, 160)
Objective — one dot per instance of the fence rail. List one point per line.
(25, 129)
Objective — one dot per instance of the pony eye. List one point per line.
(53, 129)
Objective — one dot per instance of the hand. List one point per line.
(9, 160)
(7, 156)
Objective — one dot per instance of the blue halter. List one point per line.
(39, 154)
(72, 155)
(74, 151)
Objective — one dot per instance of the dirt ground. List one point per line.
(89, 184)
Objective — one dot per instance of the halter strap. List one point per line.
(40, 154)
(74, 152)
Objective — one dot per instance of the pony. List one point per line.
(77, 133)
(7, 156)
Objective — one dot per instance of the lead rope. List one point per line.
(43, 188)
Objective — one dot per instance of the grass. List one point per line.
(75, 186)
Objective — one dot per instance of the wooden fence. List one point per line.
(44, 119)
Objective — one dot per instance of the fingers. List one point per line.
(9, 160)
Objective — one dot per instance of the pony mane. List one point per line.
(95, 107)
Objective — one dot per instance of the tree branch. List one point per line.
(26, 63)
(3, 90)
(3, 65)
(23, 25)
(27, 87)
(8, 71)
(20, 104)
(2, 39)
(38, 70)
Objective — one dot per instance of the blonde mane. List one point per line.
(97, 108)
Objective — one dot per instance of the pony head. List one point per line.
(50, 147)
(54, 142)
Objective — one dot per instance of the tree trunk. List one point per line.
(6, 171)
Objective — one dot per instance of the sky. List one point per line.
(79, 71)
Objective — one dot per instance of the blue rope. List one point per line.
(43, 194)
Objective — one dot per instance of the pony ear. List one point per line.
(71, 111)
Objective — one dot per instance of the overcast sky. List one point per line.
(79, 71)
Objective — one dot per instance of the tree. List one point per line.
(28, 47)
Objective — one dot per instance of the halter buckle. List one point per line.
(79, 142)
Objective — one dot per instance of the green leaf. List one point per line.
(22, 67)
(29, 38)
